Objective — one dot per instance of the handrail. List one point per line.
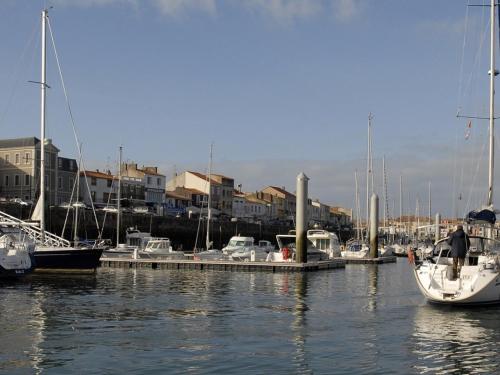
(34, 232)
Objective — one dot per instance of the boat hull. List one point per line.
(48, 259)
(481, 290)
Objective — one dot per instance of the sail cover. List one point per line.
(483, 216)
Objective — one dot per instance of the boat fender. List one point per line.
(286, 253)
(411, 256)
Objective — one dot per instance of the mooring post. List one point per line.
(374, 226)
(301, 219)
(437, 227)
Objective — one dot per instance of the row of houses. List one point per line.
(185, 194)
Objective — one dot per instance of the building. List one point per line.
(20, 169)
(221, 188)
(67, 170)
(249, 208)
(284, 201)
(103, 188)
(152, 181)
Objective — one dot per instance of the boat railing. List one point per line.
(43, 238)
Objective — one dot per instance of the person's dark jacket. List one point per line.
(459, 243)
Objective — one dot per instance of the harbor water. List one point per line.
(364, 319)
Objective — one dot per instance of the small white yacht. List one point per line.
(16, 256)
(160, 248)
(239, 243)
(287, 250)
(355, 249)
(134, 240)
(325, 241)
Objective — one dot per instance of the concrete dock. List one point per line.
(380, 260)
(231, 266)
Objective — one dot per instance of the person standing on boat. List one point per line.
(459, 243)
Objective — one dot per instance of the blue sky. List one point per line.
(280, 87)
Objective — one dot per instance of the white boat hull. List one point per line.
(476, 284)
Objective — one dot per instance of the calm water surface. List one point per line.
(364, 319)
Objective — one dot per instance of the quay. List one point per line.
(231, 266)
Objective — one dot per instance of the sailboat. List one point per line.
(478, 279)
(209, 253)
(53, 252)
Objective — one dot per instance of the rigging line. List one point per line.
(476, 63)
(17, 70)
(466, 22)
(67, 211)
(474, 179)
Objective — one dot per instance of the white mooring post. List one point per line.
(374, 226)
(301, 219)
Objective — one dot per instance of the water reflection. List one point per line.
(372, 286)
(299, 325)
(456, 341)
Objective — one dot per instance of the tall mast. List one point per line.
(358, 219)
(492, 104)
(209, 196)
(430, 204)
(386, 200)
(119, 196)
(77, 200)
(43, 86)
(400, 201)
(368, 172)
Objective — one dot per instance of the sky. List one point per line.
(279, 86)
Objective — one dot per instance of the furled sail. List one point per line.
(37, 212)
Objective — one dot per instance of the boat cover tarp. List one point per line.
(485, 216)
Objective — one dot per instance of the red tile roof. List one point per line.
(97, 174)
(204, 177)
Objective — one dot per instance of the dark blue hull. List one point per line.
(67, 259)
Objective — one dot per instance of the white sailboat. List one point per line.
(478, 279)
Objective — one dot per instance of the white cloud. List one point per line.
(346, 10)
(286, 11)
(175, 7)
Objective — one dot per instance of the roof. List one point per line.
(282, 191)
(97, 174)
(255, 200)
(22, 142)
(203, 177)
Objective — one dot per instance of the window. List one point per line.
(7, 158)
(110, 183)
(27, 179)
(93, 181)
(17, 179)
(59, 163)
(93, 195)
(72, 165)
(149, 180)
(60, 182)
(6, 180)
(158, 181)
(46, 181)
(17, 158)
(71, 182)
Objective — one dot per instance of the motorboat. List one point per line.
(325, 241)
(160, 248)
(210, 254)
(239, 243)
(287, 250)
(134, 240)
(16, 256)
(400, 250)
(355, 249)
(477, 282)
(267, 246)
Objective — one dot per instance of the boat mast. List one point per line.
(43, 87)
(368, 173)
(119, 196)
(358, 219)
(209, 213)
(386, 200)
(493, 73)
(400, 202)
